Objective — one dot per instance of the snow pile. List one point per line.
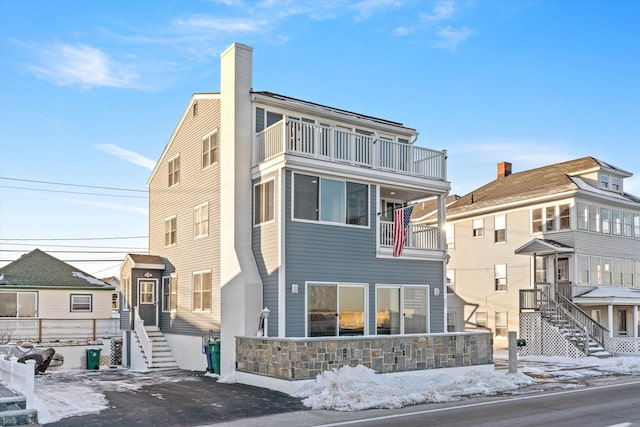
(358, 388)
(567, 367)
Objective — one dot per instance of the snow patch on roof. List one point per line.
(89, 279)
(604, 292)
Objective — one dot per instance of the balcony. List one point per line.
(418, 236)
(290, 136)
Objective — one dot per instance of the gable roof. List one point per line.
(152, 262)
(540, 182)
(39, 270)
(542, 247)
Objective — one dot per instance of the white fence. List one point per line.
(20, 377)
(418, 236)
(622, 345)
(47, 330)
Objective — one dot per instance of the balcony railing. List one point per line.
(334, 144)
(418, 236)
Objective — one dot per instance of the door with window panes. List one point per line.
(147, 301)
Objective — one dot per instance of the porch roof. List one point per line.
(609, 295)
(543, 247)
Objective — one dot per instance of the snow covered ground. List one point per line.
(65, 394)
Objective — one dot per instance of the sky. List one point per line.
(64, 394)
(91, 91)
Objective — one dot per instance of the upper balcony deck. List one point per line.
(334, 144)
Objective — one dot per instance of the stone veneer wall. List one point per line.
(305, 358)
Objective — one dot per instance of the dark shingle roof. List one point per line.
(38, 269)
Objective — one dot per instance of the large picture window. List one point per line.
(18, 304)
(330, 200)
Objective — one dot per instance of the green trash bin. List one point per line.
(214, 349)
(93, 359)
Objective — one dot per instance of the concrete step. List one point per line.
(13, 402)
(18, 417)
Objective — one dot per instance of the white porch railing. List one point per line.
(334, 144)
(20, 377)
(145, 342)
(418, 236)
(622, 345)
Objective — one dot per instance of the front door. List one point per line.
(147, 301)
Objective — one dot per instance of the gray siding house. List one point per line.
(271, 218)
(553, 245)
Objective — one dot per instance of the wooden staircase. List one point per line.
(13, 410)
(575, 333)
(161, 355)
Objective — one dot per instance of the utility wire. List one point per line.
(80, 238)
(68, 252)
(75, 260)
(125, 248)
(72, 192)
(72, 185)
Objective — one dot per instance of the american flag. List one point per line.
(401, 219)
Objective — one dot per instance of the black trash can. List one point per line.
(93, 359)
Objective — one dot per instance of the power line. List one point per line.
(127, 248)
(78, 238)
(75, 260)
(72, 192)
(67, 252)
(72, 185)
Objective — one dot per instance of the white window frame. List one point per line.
(173, 171)
(500, 224)
(201, 221)
(141, 292)
(202, 291)
(537, 224)
(550, 223)
(18, 296)
(584, 267)
(477, 227)
(74, 303)
(115, 302)
(500, 278)
(338, 285)
(583, 216)
(605, 220)
(170, 282)
(482, 319)
(126, 293)
(616, 222)
(403, 308)
(171, 233)
(210, 151)
(266, 212)
(504, 327)
(564, 218)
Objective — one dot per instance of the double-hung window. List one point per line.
(616, 220)
(594, 218)
(550, 218)
(501, 324)
(500, 233)
(627, 224)
(170, 230)
(209, 150)
(500, 277)
(169, 293)
(201, 220)
(451, 236)
(583, 216)
(263, 202)
(202, 291)
(536, 220)
(330, 200)
(174, 171)
(583, 266)
(478, 227)
(605, 220)
(565, 216)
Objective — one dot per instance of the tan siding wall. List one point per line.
(57, 305)
(196, 186)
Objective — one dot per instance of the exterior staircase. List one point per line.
(13, 410)
(153, 347)
(574, 332)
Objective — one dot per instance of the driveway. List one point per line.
(170, 398)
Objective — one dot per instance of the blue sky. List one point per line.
(90, 92)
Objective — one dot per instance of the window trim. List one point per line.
(172, 232)
(173, 174)
(73, 303)
(202, 308)
(477, 231)
(269, 204)
(197, 226)
(401, 306)
(497, 279)
(173, 305)
(212, 153)
(500, 220)
(154, 283)
(18, 293)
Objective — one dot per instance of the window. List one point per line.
(195, 109)
(115, 302)
(617, 271)
(617, 222)
(583, 265)
(451, 236)
(627, 224)
(607, 269)
(500, 277)
(536, 220)
(501, 324)
(81, 303)
(174, 171)
(451, 321)
(541, 269)
(596, 271)
(565, 217)
(500, 233)
(583, 216)
(335, 309)
(402, 309)
(605, 220)
(263, 202)
(636, 225)
(147, 290)
(265, 118)
(550, 217)
(170, 231)
(18, 304)
(202, 291)
(169, 293)
(481, 319)
(596, 315)
(478, 227)
(126, 293)
(604, 182)
(201, 220)
(594, 218)
(451, 281)
(622, 322)
(627, 279)
(615, 183)
(209, 150)
(329, 200)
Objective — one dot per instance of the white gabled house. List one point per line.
(555, 248)
(266, 204)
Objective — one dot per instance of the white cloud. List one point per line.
(367, 8)
(449, 38)
(128, 155)
(84, 66)
(443, 10)
(224, 25)
(104, 205)
(402, 31)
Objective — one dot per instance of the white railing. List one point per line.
(418, 236)
(143, 337)
(20, 377)
(622, 345)
(46, 330)
(335, 144)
